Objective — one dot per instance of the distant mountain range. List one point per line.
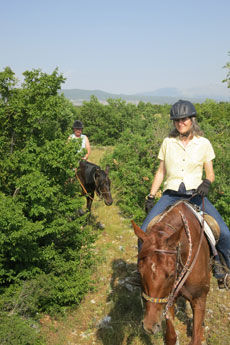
(159, 96)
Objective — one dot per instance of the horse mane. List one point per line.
(163, 229)
(156, 239)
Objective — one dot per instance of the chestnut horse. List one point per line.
(174, 260)
(94, 179)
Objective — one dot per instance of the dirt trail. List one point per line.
(117, 245)
(111, 314)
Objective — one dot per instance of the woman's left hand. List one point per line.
(203, 188)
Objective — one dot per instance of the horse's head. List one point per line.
(157, 266)
(102, 184)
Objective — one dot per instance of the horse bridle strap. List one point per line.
(155, 300)
(166, 251)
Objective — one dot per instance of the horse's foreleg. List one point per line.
(89, 201)
(198, 307)
(170, 333)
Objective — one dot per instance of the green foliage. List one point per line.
(227, 79)
(14, 330)
(134, 162)
(45, 247)
(105, 124)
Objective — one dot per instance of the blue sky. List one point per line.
(119, 46)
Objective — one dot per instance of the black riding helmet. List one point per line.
(182, 109)
(77, 124)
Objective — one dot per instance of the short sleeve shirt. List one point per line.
(185, 164)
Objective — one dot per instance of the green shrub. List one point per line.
(16, 331)
(45, 247)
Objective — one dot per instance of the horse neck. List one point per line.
(172, 221)
(170, 224)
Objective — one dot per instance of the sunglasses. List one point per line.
(182, 120)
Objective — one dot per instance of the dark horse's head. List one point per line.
(157, 262)
(102, 184)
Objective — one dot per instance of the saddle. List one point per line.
(89, 170)
(211, 227)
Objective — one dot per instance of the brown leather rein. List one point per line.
(180, 280)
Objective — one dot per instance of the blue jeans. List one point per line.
(166, 200)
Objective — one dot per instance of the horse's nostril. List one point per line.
(157, 328)
(108, 203)
(151, 329)
(143, 326)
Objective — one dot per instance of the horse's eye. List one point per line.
(171, 275)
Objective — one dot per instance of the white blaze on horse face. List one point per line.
(153, 267)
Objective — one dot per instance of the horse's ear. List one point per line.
(139, 233)
(107, 169)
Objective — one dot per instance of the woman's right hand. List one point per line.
(149, 203)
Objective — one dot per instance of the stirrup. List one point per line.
(227, 281)
(224, 283)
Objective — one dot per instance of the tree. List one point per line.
(40, 232)
(227, 79)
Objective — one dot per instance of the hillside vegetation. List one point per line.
(48, 253)
(160, 96)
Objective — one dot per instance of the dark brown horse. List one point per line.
(93, 179)
(174, 260)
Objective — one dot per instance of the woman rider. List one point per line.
(183, 156)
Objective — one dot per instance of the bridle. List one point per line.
(165, 299)
(98, 190)
(186, 270)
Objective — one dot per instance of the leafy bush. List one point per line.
(134, 161)
(45, 251)
(105, 124)
(16, 331)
